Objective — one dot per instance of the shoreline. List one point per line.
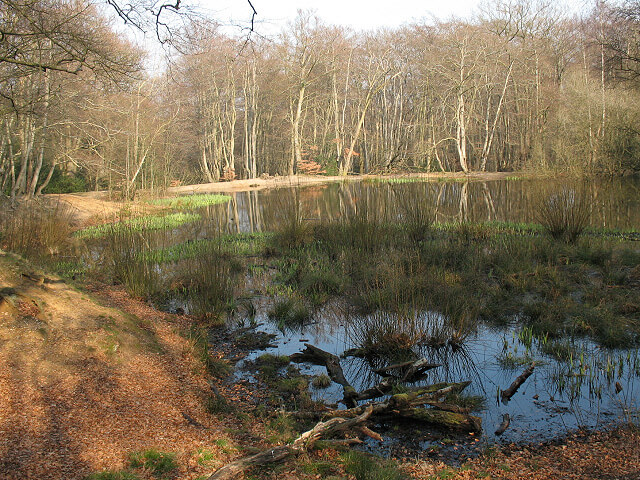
(90, 208)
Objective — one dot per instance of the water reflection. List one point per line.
(578, 390)
(614, 203)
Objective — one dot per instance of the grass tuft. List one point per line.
(157, 462)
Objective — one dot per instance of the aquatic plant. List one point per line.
(394, 180)
(148, 222)
(191, 201)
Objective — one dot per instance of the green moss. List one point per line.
(113, 475)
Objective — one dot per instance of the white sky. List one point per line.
(358, 14)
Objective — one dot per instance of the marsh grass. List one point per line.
(384, 334)
(294, 230)
(565, 214)
(191, 201)
(242, 244)
(364, 466)
(113, 475)
(289, 313)
(36, 229)
(209, 279)
(417, 216)
(321, 382)
(126, 262)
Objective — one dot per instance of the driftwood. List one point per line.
(506, 420)
(318, 356)
(510, 392)
(303, 443)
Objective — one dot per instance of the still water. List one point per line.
(614, 203)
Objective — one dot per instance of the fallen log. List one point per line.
(506, 421)
(405, 405)
(318, 356)
(379, 390)
(431, 393)
(510, 392)
(448, 407)
(301, 444)
(413, 371)
(448, 420)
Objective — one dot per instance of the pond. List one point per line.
(497, 297)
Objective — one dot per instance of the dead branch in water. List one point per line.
(510, 392)
(318, 356)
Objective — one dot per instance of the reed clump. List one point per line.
(564, 214)
(127, 259)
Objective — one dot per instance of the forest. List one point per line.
(520, 86)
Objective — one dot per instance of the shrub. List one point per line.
(62, 182)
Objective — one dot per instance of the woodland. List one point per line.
(520, 86)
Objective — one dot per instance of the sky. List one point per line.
(357, 14)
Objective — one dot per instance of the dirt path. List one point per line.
(82, 385)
